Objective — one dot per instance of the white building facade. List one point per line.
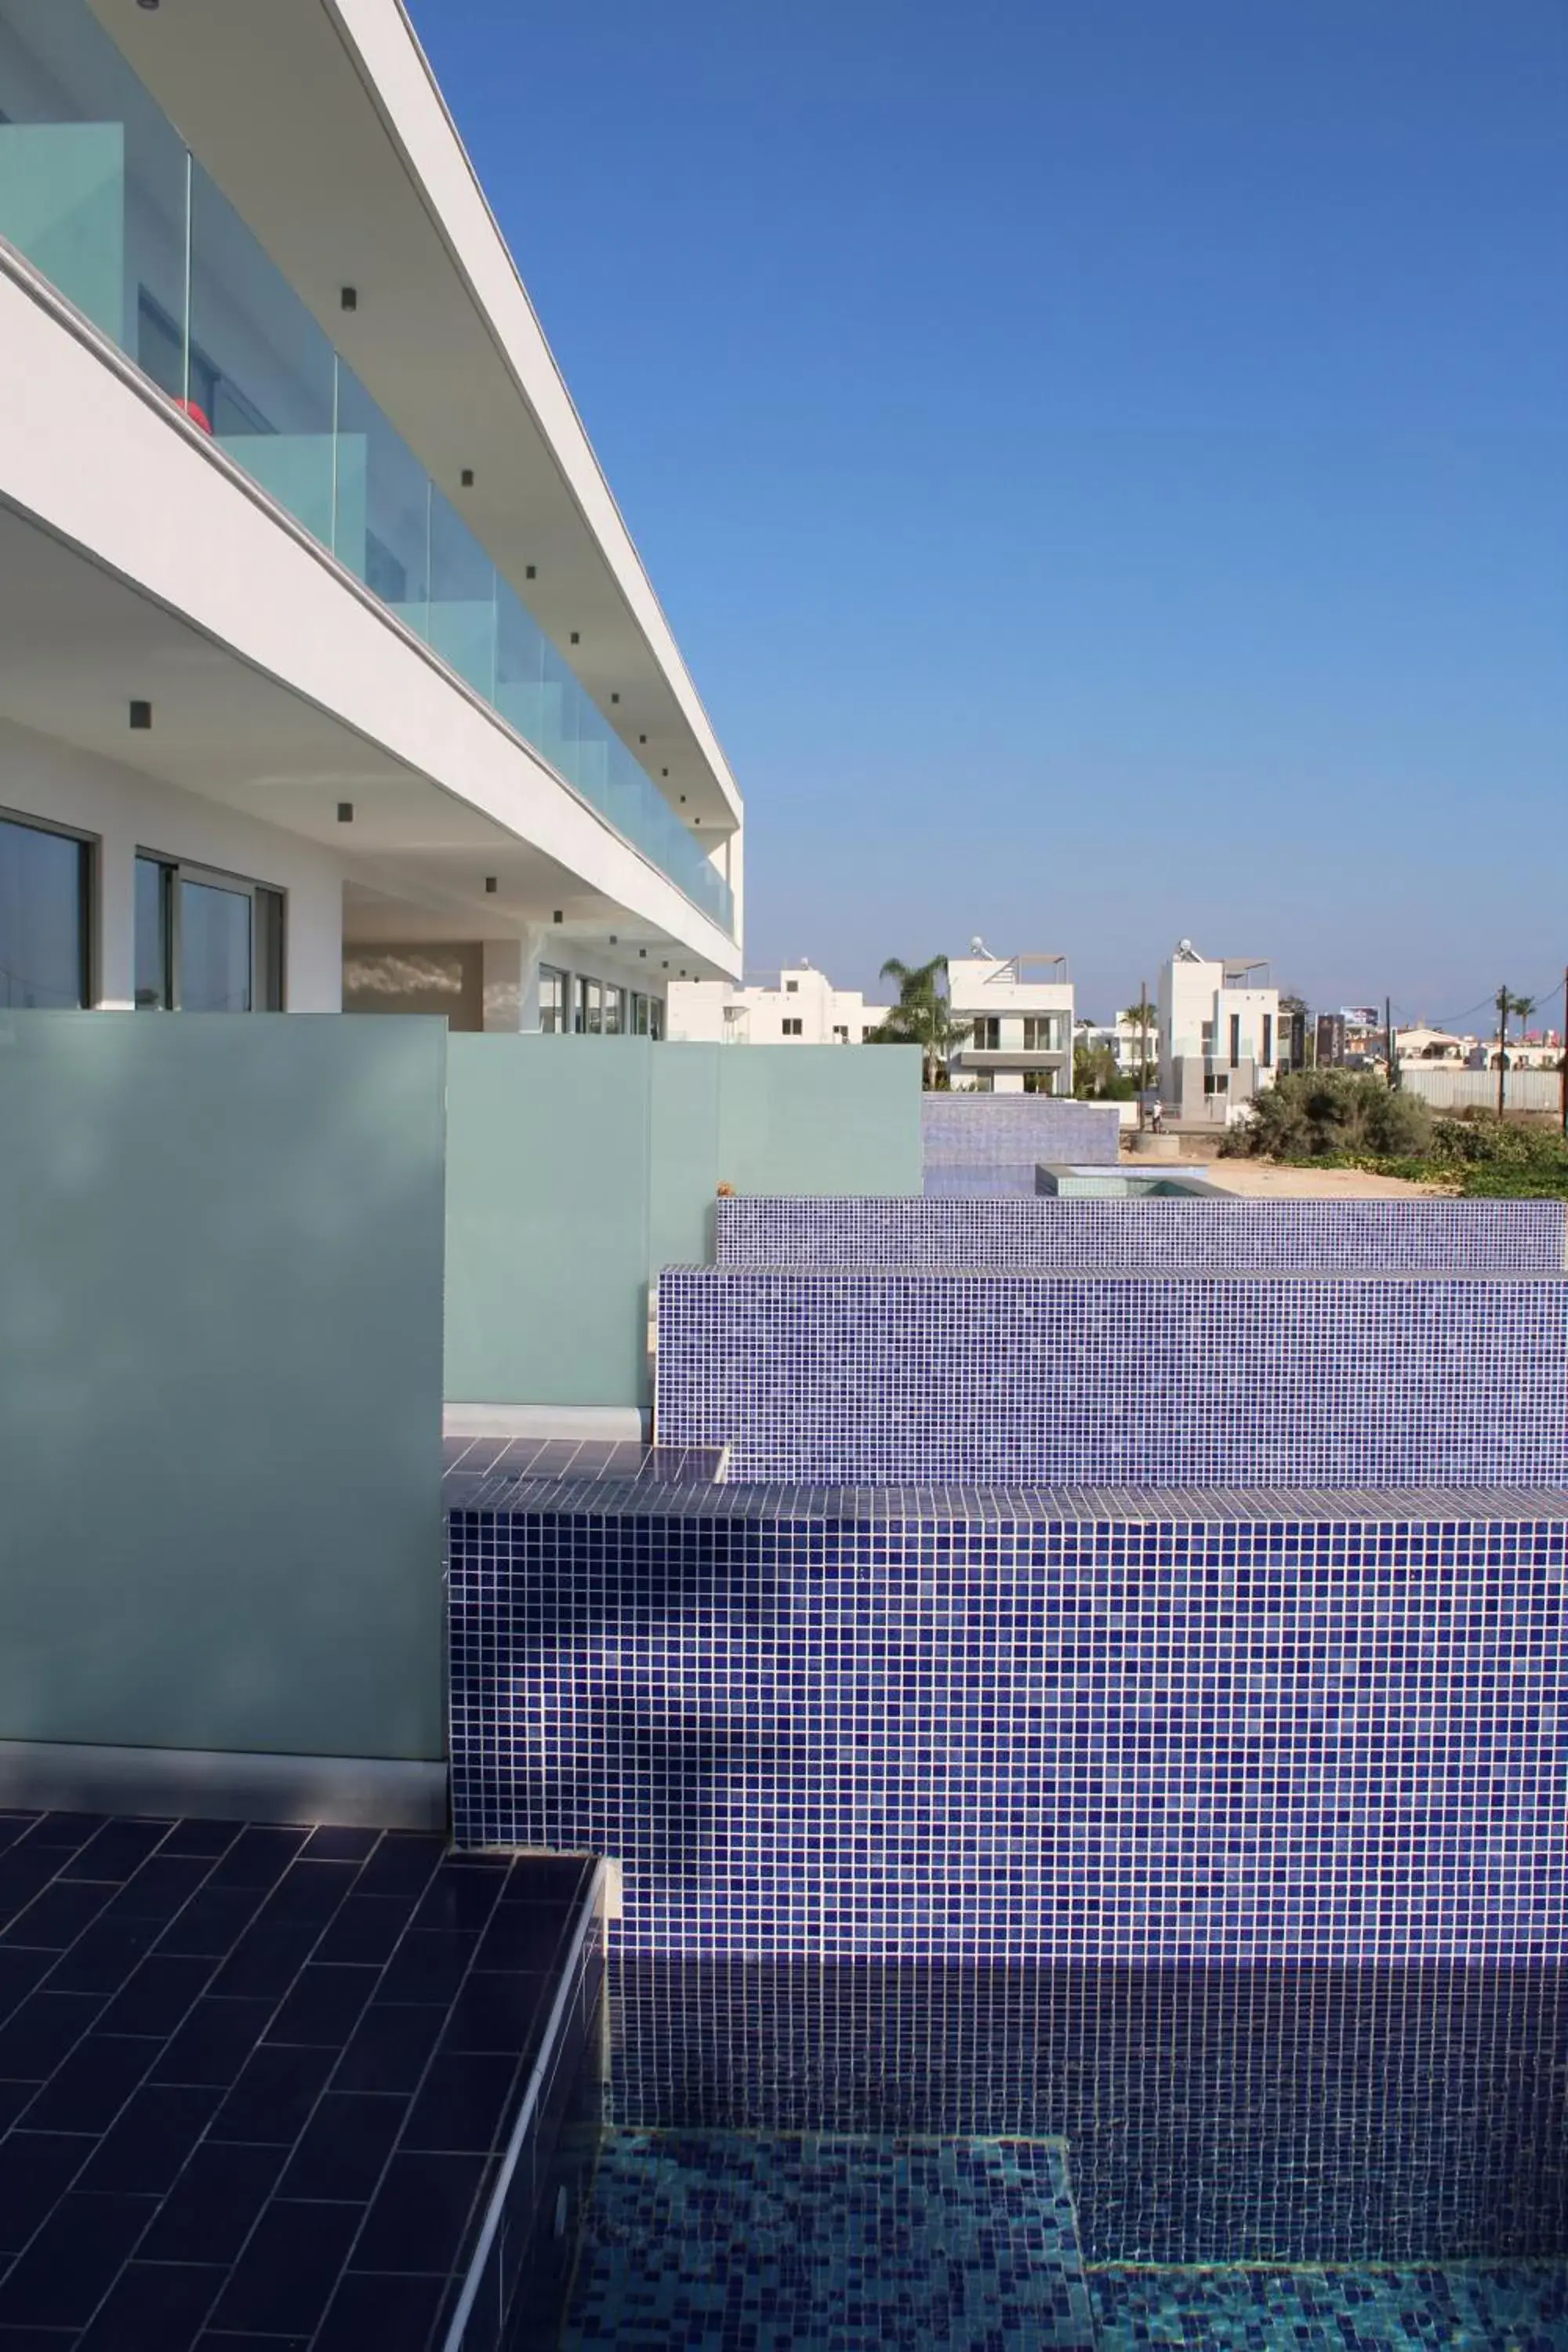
(1020, 1013)
(1219, 1040)
(805, 1009)
(329, 673)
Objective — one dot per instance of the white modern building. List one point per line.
(330, 675)
(1123, 1040)
(805, 1009)
(1020, 1013)
(1218, 1033)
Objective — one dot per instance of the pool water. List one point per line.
(721, 2241)
(713, 2242)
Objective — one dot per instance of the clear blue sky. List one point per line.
(1106, 461)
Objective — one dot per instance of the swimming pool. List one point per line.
(1066, 1184)
(1075, 2160)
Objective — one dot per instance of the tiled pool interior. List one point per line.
(1310, 2096)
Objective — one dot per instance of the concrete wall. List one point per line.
(220, 1394)
(1454, 1090)
(447, 979)
(579, 1166)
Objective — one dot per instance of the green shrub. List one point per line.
(1329, 1114)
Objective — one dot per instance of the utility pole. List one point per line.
(1502, 1005)
(1388, 1043)
(1143, 1055)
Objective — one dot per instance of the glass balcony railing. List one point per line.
(100, 192)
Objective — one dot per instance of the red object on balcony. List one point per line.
(196, 413)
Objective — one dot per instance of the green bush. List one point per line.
(1332, 1114)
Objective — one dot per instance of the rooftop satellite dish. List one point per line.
(977, 945)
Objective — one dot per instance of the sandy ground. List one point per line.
(1261, 1179)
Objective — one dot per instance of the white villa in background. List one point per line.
(1218, 1031)
(330, 675)
(805, 1009)
(1020, 1010)
(1124, 1040)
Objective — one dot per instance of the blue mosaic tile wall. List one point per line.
(978, 1131)
(1171, 1236)
(884, 1378)
(1072, 1741)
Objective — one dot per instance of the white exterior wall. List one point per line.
(1192, 995)
(123, 812)
(712, 1013)
(981, 987)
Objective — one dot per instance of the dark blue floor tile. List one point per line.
(390, 2047)
(461, 2103)
(24, 1873)
(163, 1886)
(157, 1997)
(201, 1837)
(461, 1895)
(68, 1830)
(523, 1936)
(154, 2307)
(119, 1849)
(324, 2006)
(101, 1959)
(499, 2013)
(208, 2213)
(330, 1844)
(364, 1931)
(20, 1973)
(394, 2315)
(151, 2137)
(259, 1857)
(36, 2170)
(401, 1863)
(311, 1891)
(272, 2100)
(285, 2277)
(420, 2214)
(213, 1921)
(57, 1915)
(345, 2147)
(88, 2090)
(14, 2098)
(267, 1958)
(215, 2041)
(557, 1878)
(73, 2260)
(426, 1966)
(39, 2036)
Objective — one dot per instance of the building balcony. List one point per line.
(105, 200)
(1011, 1057)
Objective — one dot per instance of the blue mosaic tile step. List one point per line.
(1141, 1740)
(883, 1378)
(1168, 1236)
(723, 2243)
(254, 2081)
(1476, 2307)
(978, 1131)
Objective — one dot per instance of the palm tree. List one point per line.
(1508, 1007)
(922, 1016)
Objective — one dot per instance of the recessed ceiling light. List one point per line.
(141, 714)
(345, 812)
(490, 884)
(557, 916)
(348, 298)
